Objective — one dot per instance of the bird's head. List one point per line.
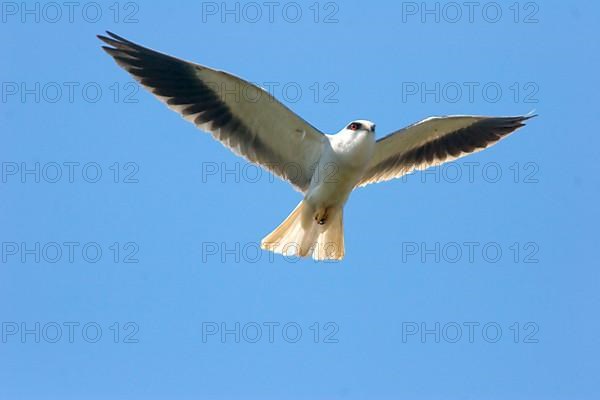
(360, 125)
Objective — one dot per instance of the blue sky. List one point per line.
(125, 256)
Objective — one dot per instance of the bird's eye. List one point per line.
(354, 126)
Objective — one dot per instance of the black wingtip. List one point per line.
(119, 38)
(105, 39)
(520, 120)
(529, 116)
(112, 37)
(526, 118)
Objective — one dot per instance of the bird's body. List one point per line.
(343, 162)
(316, 224)
(324, 168)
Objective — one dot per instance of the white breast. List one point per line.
(341, 167)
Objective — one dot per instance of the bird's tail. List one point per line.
(301, 235)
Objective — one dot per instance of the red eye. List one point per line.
(354, 126)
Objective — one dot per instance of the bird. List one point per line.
(324, 168)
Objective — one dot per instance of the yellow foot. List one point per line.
(321, 216)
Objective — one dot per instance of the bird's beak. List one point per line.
(373, 128)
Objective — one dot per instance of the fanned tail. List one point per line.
(301, 235)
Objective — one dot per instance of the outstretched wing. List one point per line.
(434, 141)
(242, 116)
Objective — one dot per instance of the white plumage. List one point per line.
(325, 168)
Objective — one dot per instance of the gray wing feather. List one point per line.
(242, 116)
(434, 141)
